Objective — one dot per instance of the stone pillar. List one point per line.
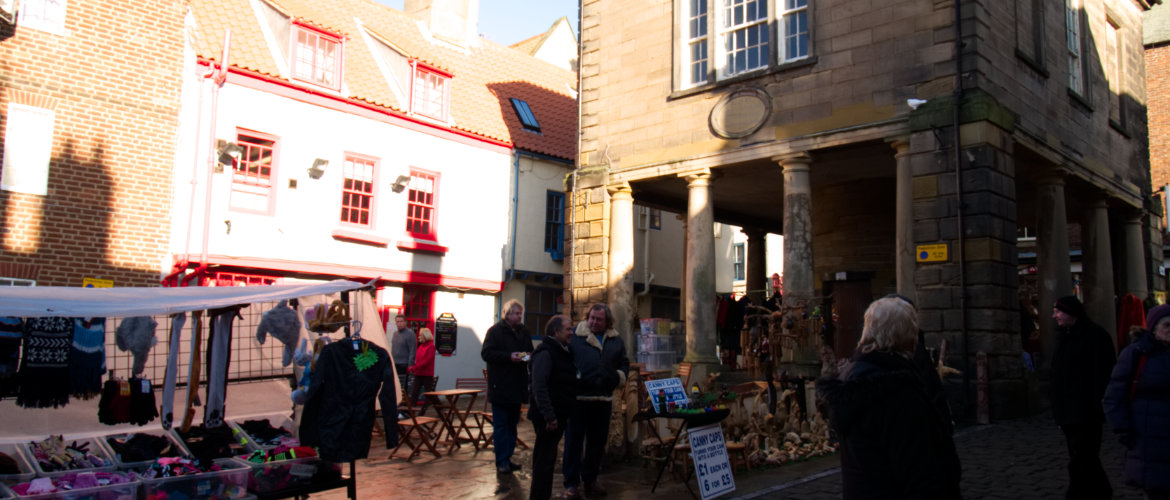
(756, 274)
(904, 220)
(799, 281)
(1097, 264)
(1051, 257)
(621, 260)
(700, 271)
(1135, 256)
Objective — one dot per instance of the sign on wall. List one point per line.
(931, 253)
(446, 332)
(96, 283)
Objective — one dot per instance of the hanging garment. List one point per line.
(11, 333)
(168, 396)
(137, 336)
(1132, 314)
(87, 359)
(44, 369)
(114, 406)
(142, 409)
(339, 411)
(193, 371)
(219, 352)
(284, 324)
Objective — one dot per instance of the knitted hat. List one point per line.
(285, 325)
(137, 336)
(1155, 315)
(1071, 305)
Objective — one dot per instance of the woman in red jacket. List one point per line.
(424, 367)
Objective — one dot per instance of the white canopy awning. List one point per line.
(40, 301)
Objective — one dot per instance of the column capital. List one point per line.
(900, 144)
(794, 160)
(753, 232)
(701, 177)
(1053, 176)
(622, 190)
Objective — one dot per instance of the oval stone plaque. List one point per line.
(740, 113)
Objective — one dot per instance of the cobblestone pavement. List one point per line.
(1024, 458)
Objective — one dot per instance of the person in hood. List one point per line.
(600, 357)
(895, 443)
(1137, 406)
(1081, 366)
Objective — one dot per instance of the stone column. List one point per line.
(1051, 256)
(1135, 256)
(756, 274)
(1097, 264)
(700, 271)
(904, 221)
(799, 281)
(621, 260)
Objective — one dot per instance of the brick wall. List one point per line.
(1158, 95)
(113, 81)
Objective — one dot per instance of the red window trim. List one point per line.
(419, 66)
(361, 237)
(421, 246)
(413, 319)
(434, 206)
(374, 192)
(339, 57)
(273, 171)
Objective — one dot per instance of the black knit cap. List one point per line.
(1071, 305)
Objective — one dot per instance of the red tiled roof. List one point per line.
(486, 75)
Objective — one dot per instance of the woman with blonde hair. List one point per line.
(893, 440)
(423, 368)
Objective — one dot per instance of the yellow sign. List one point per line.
(931, 253)
(97, 283)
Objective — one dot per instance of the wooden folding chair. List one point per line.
(684, 373)
(485, 415)
(424, 429)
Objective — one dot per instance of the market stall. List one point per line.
(191, 317)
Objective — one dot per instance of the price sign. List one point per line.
(446, 331)
(712, 468)
(673, 389)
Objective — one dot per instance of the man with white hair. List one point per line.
(506, 349)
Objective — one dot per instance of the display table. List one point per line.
(689, 420)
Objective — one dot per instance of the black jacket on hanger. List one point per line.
(339, 411)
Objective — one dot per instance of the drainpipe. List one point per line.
(576, 169)
(181, 266)
(515, 214)
(958, 157)
(647, 276)
(219, 77)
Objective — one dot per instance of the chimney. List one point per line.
(451, 20)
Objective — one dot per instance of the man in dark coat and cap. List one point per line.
(1081, 366)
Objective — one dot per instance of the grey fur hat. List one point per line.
(137, 336)
(284, 324)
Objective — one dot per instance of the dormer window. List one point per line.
(430, 92)
(316, 57)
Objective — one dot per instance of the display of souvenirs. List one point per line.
(53, 454)
(79, 480)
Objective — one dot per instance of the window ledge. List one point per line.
(361, 237)
(1079, 101)
(779, 68)
(1117, 126)
(1031, 62)
(415, 245)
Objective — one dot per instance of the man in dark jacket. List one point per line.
(506, 349)
(600, 357)
(554, 387)
(1081, 366)
(895, 444)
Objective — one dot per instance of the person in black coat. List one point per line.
(554, 384)
(1081, 366)
(1137, 406)
(894, 442)
(506, 349)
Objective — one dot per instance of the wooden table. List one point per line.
(460, 425)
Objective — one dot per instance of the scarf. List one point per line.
(87, 359)
(44, 369)
(11, 332)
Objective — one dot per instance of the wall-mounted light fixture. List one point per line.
(226, 153)
(318, 168)
(400, 183)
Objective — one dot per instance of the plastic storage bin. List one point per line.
(22, 462)
(177, 448)
(5, 492)
(657, 360)
(95, 447)
(280, 421)
(121, 491)
(268, 477)
(230, 482)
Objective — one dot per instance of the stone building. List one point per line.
(835, 124)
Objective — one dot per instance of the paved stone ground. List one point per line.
(1023, 458)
